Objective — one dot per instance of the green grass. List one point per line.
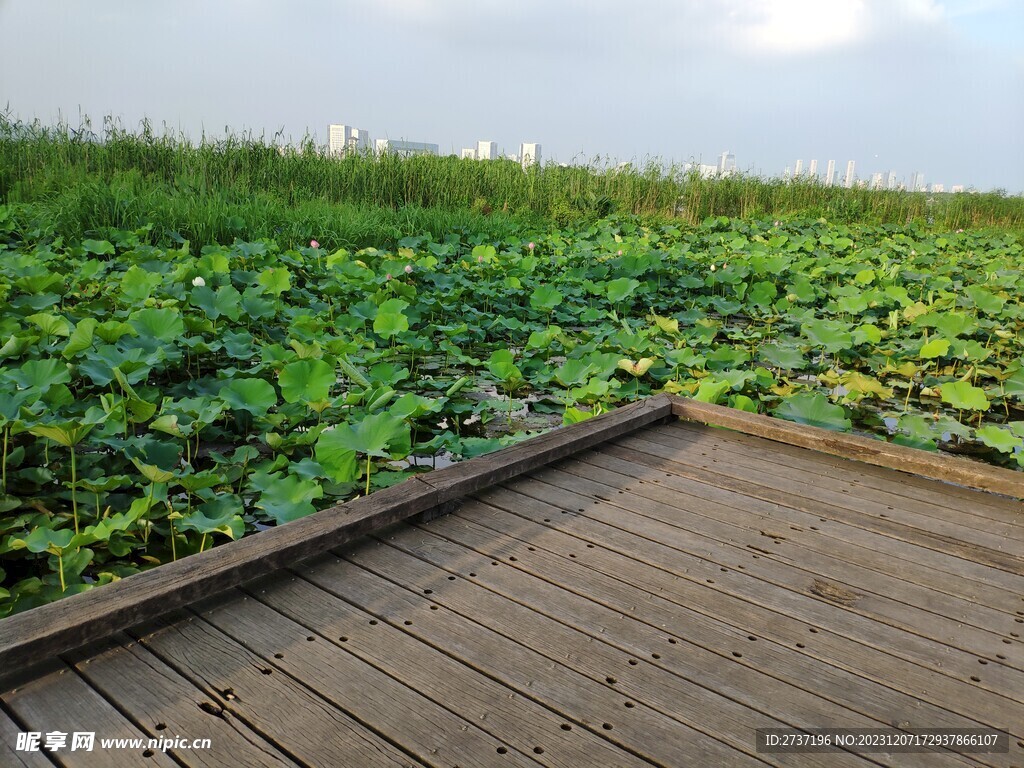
(248, 187)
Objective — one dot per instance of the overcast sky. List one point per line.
(935, 86)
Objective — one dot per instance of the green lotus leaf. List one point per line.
(390, 319)
(545, 298)
(99, 247)
(786, 356)
(220, 515)
(275, 280)
(80, 338)
(164, 325)
(961, 394)
(51, 325)
(621, 289)
(934, 348)
(224, 302)
(41, 374)
(1000, 439)
(829, 334)
(711, 390)
(289, 497)
(254, 396)
(306, 381)
(816, 410)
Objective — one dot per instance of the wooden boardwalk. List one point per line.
(651, 599)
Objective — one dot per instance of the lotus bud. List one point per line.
(198, 282)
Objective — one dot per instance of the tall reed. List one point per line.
(210, 188)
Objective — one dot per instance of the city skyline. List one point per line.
(343, 138)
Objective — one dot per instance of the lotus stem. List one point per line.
(74, 489)
(3, 483)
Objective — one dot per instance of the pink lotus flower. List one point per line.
(620, 252)
(387, 276)
(479, 259)
(531, 246)
(408, 269)
(959, 231)
(314, 244)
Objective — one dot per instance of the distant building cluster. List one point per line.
(877, 180)
(344, 139)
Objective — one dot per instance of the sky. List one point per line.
(929, 86)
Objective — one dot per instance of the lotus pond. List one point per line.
(157, 401)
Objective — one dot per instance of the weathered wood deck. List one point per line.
(651, 597)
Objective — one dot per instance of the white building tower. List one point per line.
(343, 139)
(487, 150)
(529, 154)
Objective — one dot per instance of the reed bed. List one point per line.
(214, 190)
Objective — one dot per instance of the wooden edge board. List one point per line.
(89, 616)
(950, 469)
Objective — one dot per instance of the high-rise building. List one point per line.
(848, 179)
(892, 182)
(813, 170)
(876, 180)
(957, 188)
(404, 148)
(487, 150)
(798, 169)
(726, 163)
(830, 174)
(529, 154)
(343, 139)
(916, 179)
(938, 187)
(468, 153)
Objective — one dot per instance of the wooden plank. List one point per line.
(725, 494)
(937, 467)
(784, 562)
(674, 596)
(587, 682)
(835, 539)
(93, 615)
(57, 699)
(303, 725)
(807, 467)
(641, 660)
(429, 733)
(964, 501)
(163, 704)
(12, 757)
(515, 719)
(993, 547)
(920, 646)
(763, 656)
(736, 479)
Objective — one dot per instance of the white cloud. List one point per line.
(808, 26)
